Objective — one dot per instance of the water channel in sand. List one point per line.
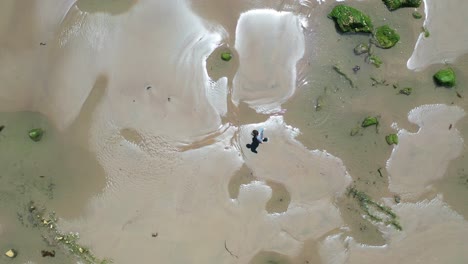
(144, 153)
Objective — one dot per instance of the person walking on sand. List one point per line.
(257, 139)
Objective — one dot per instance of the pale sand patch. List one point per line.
(184, 198)
(326, 174)
(269, 44)
(421, 158)
(24, 62)
(161, 77)
(152, 188)
(170, 60)
(446, 23)
(432, 233)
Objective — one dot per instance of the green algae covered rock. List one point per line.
(369, 121)
(445, 77)
(386, 37)
(406, 91)
(396, 4)
(375, 60)
(392, 139)
(350, 19)
(361, 49)
(426, 32)
(417, 15)
(36, 134)
(226, 56)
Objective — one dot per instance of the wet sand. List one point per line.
(149, 126)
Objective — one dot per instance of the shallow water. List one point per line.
(145, 139)
(55, 173)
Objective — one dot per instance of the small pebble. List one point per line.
(46, 253)
(11, 253)
(356, 68)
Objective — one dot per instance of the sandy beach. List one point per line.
(145, 155)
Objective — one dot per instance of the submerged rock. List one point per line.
(11, 253)
(386, 37)
(319, 103)
(375, 60)
(361, 49)
(36, 134)
(397, 198)
(226, 56)
(406, 91)
(369, 121)
(426, 32)
(417, 15)
(395, 4)
(350, 19)
(354, 131)
(445, 77)
(392, 139)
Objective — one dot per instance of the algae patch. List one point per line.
(226, 56)
(392, 139)
(48, 225)
(386, 37)
(426, 32)
(342, 73)
(349, 19)
(319, 103)
(406, 91)
(396, 4)
(375, 60)
(354, 131)
(361, 49)
(375, 211)
(445, 77)
(370, 121)
(417, 15)
(36, 134)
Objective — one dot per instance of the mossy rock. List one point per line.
(406, 91)
(36, 134)
(417, 15)
(354, 131)
(226, 56)
(361, 49)
(375, 60)
(392, 139)
(350, 19)
(445, 77)
(386, 37)
(396, 4)
(319, 103)
(370, 121)
(426, 32)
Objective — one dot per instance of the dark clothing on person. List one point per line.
(254, 145)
